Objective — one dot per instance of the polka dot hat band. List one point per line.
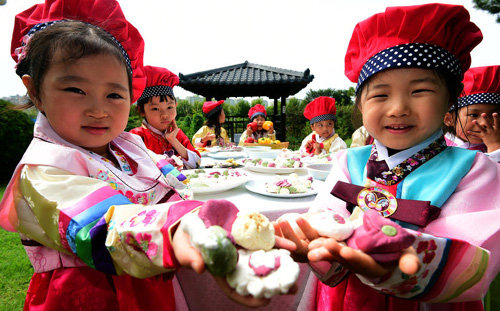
(481, 86)
(410, 55)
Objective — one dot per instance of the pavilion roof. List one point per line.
(245, 80)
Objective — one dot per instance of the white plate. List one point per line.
(217, 187)
(272, 170)
(260, 188)
(227, 155)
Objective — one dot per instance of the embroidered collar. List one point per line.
(379, 171)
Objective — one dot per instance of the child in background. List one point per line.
(474, 124)
(158, 106)
(361, 137)
(212, 133)
(83, 196)
(321, 113)
(408, 63)
(255, 130)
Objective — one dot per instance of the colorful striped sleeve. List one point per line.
(86, 217)
(449, 268)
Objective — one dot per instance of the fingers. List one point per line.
(309, 232)
(185, 253)
(281, 242)
(409, 262)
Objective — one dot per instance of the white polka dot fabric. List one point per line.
(157, 90)
(479, 98)
(323, 117)
(410, 55)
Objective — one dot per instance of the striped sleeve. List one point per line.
(449, 268)
(86, 217)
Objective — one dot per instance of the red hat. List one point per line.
(432, 36)
(481, 86)
(159, 81)
(257, 110)
(210, 108)
(105, 14)
(320, 109)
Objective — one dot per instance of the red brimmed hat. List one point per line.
(430, 36)
(105, 14)
(481, 86)
(257, 110)
(211, 108)
(320, 109)
(159, 81)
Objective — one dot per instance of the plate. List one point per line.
(214, 187)
(260, 188)
(227, 155)
(272, 170)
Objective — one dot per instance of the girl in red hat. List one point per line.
(257, 128)
(321, 113)
(85, 196)
(474, 124)
(158, 106)
(212, 133)
(408, 63)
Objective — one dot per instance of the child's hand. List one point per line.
(328, 249)
(271, 129)
(249, 132)
(172, 131)
(208, 137)
(185, 253)
(317, 147)
(489, 131)
(300, 237)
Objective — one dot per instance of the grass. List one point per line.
(15, 270)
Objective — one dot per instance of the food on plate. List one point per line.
(224, 235)
(276, 163)
(207, 178)
(253, 231)
(290, 184)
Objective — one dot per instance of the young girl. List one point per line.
(257, 115)
(321, 113)
(82, 196)
(158, 107)
(475, 124)
(212, 133)
(408, 63)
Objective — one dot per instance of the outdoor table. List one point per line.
(200, 292)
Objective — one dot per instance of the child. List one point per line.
(321, 113)
(257, 115)
(212, 134)
(408, 63)
(159, 131)
(360, 137)
(475, 124)
(79, 197)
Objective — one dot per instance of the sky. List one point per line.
(188, 36)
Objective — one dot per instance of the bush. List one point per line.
(16, 133)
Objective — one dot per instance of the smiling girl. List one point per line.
(408, 63)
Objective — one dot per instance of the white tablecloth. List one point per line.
(200, 292)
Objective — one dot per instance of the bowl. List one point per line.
(319, 171)
(256, 148)
(263, 153)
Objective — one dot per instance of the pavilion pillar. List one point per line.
(283, 118)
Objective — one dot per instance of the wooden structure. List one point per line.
(249, 80)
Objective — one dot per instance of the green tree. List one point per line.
(241, 108)
(134, 118)
(184, 108)
(297, 126)
(196, 123)
(16, 133)
(491, 6)
(342, 97)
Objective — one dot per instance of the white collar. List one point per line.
(402, 155)
(458, 142)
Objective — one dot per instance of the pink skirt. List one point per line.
(352, 295)
(84, 288)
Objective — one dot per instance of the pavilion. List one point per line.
(248, 80)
